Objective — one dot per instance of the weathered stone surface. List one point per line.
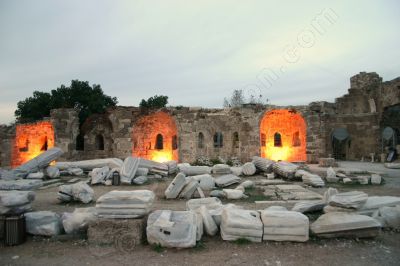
(263, 164)
(373, 203)
(172, 167)
(37, 175)
(376, 179)
(176, 186)
(206, 181)
(142, 171)
(45, 223)
(313, 180)
(20, 184)
(249, 169)
(208, 222)
(390, 216)
(78, 221)
(75, 171)
(329, 208)
(308, 206)
(99, 175)
(128, 170)
(189, 189)
(15, 202)
(52, 172)
(195, 170)
(210, 203)
(363, 180)
(329, 193)
(226, 180)
(233, 193)
(338, 224)
(392, 165)
(352, 199)
(217, 193)
(284, 225)
(172, 229)
(89, 165)
(247, 184)
(237, 170)
(285, 169)
(125, 204)
(237, 223)
(331, 175)
(76, 192)
(347, 180)
(221, 169)
(120, 234)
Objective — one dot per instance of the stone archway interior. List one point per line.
(154, 137)
(283, 136)
(31, 140)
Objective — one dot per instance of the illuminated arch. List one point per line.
(291, 128)
(149, 132)
(31, 140)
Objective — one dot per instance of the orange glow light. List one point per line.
(31, 140)
(144, 137)
(292, 129)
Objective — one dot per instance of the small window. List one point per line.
(174, 142)
(277, 140)
(159, 142)
(218, 140)
(235, 140)
(100, 142)
(296, 139)
(263, 140)
(80, 143)
(45, 144)
(200, 143)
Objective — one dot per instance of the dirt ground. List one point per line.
(383, 250)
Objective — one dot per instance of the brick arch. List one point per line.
(291, 127)
(31, 140)
(144, 137)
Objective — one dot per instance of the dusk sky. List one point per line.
(196, 53)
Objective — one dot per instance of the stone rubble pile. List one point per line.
(352, 176)
(76, 192)
(15, 202)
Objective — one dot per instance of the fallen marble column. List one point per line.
(78, 221)
(373, 203)
(52, 172)
(249, 169)
(313, 180)
(234, 194)
(20, 184)
(283, 225)
(37, 175)
(189, 189)
(128, 170)
(309, 206)
(210, 203)
(237, 224)
(44, 223)
(389, 217)
(172, 167)
(342, 224)
(227, 180)
(39, 162)
(140, 180)
(89, 165)
(125, 204)
(175, 187)
(195, 170)
(221, 169)
(352, 199)
(154, 167)
(263, 164)
(237, 170)
(392, 165)
(285, 169)
(16, 202)
(76, 192)
(172, 229)
(210, 227)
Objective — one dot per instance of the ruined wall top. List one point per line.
(365, 81)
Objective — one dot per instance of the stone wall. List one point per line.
(368, 107)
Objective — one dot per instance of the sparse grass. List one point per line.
(158, 248)
(242, 241)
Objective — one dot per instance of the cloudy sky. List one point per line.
(195, 52)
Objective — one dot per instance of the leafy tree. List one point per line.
(155, 102)
(79, 95)
(237, 99)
